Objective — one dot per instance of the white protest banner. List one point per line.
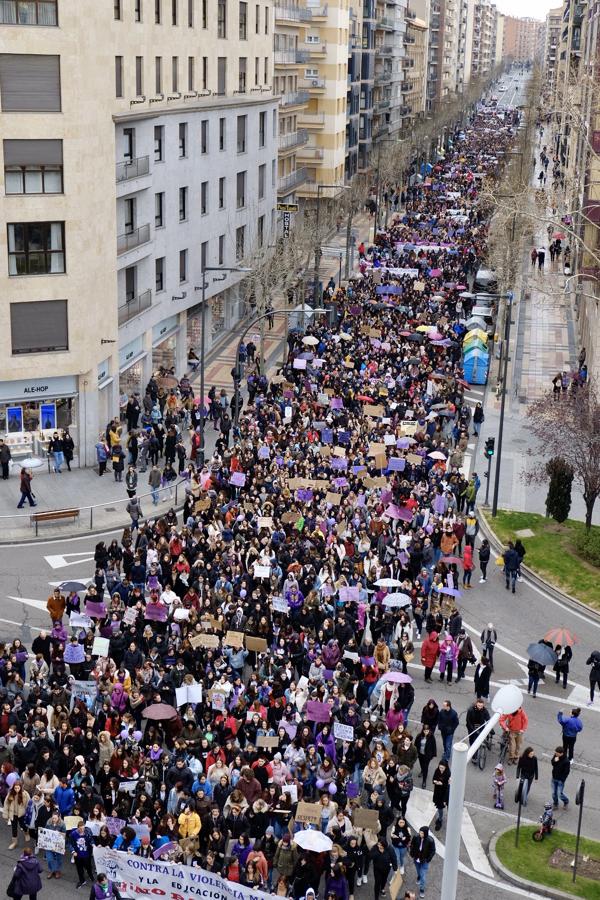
(343, 732)
(262, 571)
(128, 787)
(84, 690)
(279, 604)
(51, 840)
(78, 620)
(188, 693)
(100, 646)
(134, 876)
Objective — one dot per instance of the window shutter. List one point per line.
(39, 327)
(33, 153)
(30, 82)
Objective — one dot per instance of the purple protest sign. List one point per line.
(156, 612)
(340, 482)
(386, 496)
(305, 495)
(349, 594)
(263, 452)
(343, 437)
(290, 727)
(288, 394)
(317, 712)
(355, 310)
(327, 436)
(327, 590)
(396, 464)
(339, 462)
(279, 460)
(238, 479)
(95, 610)
(336, 403)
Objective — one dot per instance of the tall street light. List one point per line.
(320, 187)
(507, 701)
(224, 270)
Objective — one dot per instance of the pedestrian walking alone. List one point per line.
(571, 726)
(533, 257)
(131, 480)
(135, 511)
(422, 851)
(489, 638)
(25, 488)
(154, 480)
(511, 566)
(535, 672)
(441, 790)
(527, 772)
(541, 257)
(561, 767)
(56, 448)
(26, 877)
(484, 558)
(5, 458)
(561, 666)
(384, 860)
(594, 661)
(514, 726)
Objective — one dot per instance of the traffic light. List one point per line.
(489, 447)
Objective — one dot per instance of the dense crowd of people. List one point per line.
(231, 678)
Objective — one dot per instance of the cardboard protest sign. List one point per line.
(204, 640)
(334, 499)
(262, 571)
(308, 812)
(258, 644)
(376, 448)
(265, 522)
(100, 646)
(234, 639)
(366, 818)
(379, 482)
(408, 427)
(47, 839)
(414, 459)
(71, 822)
(269, 741)
(395, 884)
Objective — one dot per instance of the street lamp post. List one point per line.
(224, 270)
(504, 363)
(508, 700)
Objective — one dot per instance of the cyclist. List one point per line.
(477, 716)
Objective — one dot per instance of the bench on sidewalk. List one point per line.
(52, 515)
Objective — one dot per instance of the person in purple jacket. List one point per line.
(103, 889)
(26, 876)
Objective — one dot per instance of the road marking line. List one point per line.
(59, 561)
(37, 604)
(500, 812)
(473, 846)
(21, 624)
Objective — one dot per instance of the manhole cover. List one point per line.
(110, 509)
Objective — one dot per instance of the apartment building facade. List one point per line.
(522, 38)
(132, 156)
(483, 54)
(414, 89)
(551, 41)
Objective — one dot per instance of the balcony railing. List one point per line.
(311, 120)
(28, 12)
(298, 98)
(132, 308)
(288, 183)
(311, 153)
(316, 47)
(132, 239)
(133, 168)
(285, 57)
(295, 139)
(383, 104)
(318, 12)
(292, 14)
(384, 50)
(383, 77)
(385, 22)
(317, 84)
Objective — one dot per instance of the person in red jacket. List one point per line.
(430, 650)
(468, 566)
(514, 726)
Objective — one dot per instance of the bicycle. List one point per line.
(488, 745)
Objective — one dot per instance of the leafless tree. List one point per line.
(570, 429)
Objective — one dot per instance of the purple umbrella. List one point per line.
(396, 678)
(453, 592)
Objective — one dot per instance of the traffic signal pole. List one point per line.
(488, 477)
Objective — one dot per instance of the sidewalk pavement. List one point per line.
(83, 488)
(543, 342)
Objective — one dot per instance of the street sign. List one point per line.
(285, 224)
(287, 207)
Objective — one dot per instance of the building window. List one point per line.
(29, 82)
(241, 190)
(266, 19)
(118, 76)
(137, 13)
(159, 143)
(222, 18)
(260, 231)
(33, 167)
(39, 327)
(221, 250)
(129, 206)
(175, 11)
(262, 128)
(190, 13)
(240, 241)
(117, 9)
(243, 21)
(183, 258)
(157, 11)
(29, 12)
(266, 70)
(222, 193)
(262, 174)
(205, 13)
(204, 136)
(241, 134)
(158, 84)
(221, 75)
(159, 274)
(183, 131)
(191, 76)
(139, 76)
(242, 74)
(222, 133)
(256, 71)
(159, 210)
(205, 73)
(130, 283)
(257, 22)
(204, 198)
(183, 195)
(36, 248)
(175, 74)
(203, 255)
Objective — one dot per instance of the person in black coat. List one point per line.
(426, 750)
(384, 860)
(441, 790)
(527, 771)
(354, 862)
(561, 666)
(483, 671)
(401, 837)
(422, 851)
(26, 876)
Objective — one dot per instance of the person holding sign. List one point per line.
(54, 858)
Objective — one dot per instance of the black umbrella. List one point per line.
(73, 586)
(542, 654)
(418, 338)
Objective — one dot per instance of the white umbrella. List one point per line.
(310, 340)
(313, 840)
(388, 582)
(397, 600)
(345, 336)
(30, 462)
(436, 455)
